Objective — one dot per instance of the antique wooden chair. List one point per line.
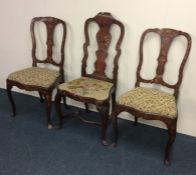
(40, 77)
(151, 103)
(96, 87)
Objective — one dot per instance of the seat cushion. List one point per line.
(150, 101)
(88, 87)
(35, 76)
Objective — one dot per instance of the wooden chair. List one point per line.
(41, 79)
(95, 88)
(153, 103)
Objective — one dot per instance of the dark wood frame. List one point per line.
(167, 36)
(45, 93)
(104, 21)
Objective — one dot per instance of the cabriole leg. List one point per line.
(48, 109)
(65, 103)
(9, 87)
(58, 110)
(115, 127)
(41, 97)
(86, 107)
(104, 113)
(135, 121)
(171, 137)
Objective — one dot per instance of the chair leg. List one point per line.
(9, 87)
(48, 100)
(41, 97)
(115, 127)
(65, 103)
(86, 107)
(171, 137)
(104, 112)
(113, 100)
(58, 110)
(135, 121)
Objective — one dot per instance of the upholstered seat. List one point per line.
(150, 101)
(35, 76)
(88, 87)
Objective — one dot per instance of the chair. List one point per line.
(153, 103)
(96, 87)
(40, 77)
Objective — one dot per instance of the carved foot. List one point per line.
(104, 142)
(49, 126)
(167, 162)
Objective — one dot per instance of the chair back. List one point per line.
(51, 24)
(105, 21)
(167, 36)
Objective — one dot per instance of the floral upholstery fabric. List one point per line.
(35, 76)
(88, 87)
(150, 101)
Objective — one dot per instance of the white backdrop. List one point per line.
(137, 15)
